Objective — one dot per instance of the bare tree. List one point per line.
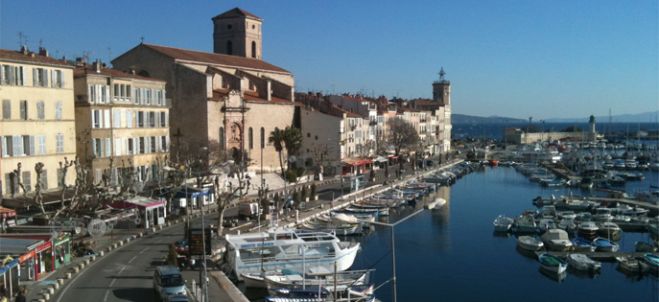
(401, 134)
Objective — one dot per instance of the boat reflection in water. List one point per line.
(553, 275)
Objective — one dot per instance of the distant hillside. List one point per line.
(471, 119)
(645, 117)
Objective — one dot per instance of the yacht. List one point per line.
(287, 249)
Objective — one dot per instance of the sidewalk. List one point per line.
(34, 288)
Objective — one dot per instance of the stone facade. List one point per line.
(122, 122)
(36, 119)
(216, 100)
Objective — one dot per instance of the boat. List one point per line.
(582, 245)
(644, 247)
(503, 223)
(440, 202)
(610, 230)
(567, 215)
(568, 225)
(341, 280)
(557, 240)
(546, 224)
(605, 245)
(583, 263)
(379, 211)
(525, 223)
(587, 229)
(296, 250)
(257, 280)
(552, 263)
(629, 264)
(343, 229)
(529, 243)
(602, 214)
(320, 294)
(653, 262)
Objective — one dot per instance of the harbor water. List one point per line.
(451, 254)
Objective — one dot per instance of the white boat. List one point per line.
(342, 280)
(602, 214)
(502, 223)
(588, 230)
(610, 230)
(583, 263)
(286, 249)
(557, 240)
(629, 264)
(529, 243)
(439, 203)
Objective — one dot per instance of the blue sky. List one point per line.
(514, 58)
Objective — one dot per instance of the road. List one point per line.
(125, 274)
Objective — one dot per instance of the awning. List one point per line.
(381, 159)
(357, 162)
(7, 213)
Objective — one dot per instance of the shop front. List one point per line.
(151, 211)
(9, 275)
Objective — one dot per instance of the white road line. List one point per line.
(132, 259)
(105, 297)
(143, 250)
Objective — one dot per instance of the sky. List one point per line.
(515, 58)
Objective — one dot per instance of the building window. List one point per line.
(58, 79)
(28, 145)
(11, 75)
(140, 119)
(131, 149)
(96, 119)
(229, 47)
(42, 144)
(228, 26)
(253, 48)
(58, 110)
(24, 110)
(40, 77)
(27, 181)
(6, 109)
(40, 110)
(152, 119)
(163, 119)
(60, 178)
(251, 138)
(221, 138)
(163, 143)
(44, 179)
(7, 146)
(59, 143)
(153, 144)
(142, 145)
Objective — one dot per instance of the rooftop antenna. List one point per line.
(141, 39)
(109, 54)
(442, 73)
(40, 43)
(22, 39)
(85, 55)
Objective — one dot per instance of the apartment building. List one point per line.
(36, 122)
(122, 123)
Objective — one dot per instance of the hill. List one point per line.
(645, 117)
(472, 119)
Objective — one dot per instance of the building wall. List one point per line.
(48, 128)
(122, 131)
(322, 138)
(267, 116)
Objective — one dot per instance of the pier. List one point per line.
(631, 202)
(610, 256)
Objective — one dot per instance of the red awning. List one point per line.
(358, 162)
(7, 213)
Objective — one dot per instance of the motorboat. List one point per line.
(525, 224)
(341, 280)
(587, 230)
(320, 294)
(530, 243)
(552, 263)
(605, 245)
(610, 230)
(644, 247)
(567, 215)
(503, 223)
(629, 264)
(343, 229)
(583, 263)
(568, 225)
(602, 214)
(582, 245)
(296, 250)
(545, 224)
(557, 240)
(438, 203)
(653, 261)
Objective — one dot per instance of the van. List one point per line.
(168, 282)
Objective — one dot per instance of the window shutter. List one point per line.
(106, 118)
(35, 77)
(32, 145)
(108, 147)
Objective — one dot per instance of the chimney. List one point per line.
(24, 50)
(43, 51)
(97, 65)
(80, 61)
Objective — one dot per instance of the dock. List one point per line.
(610, 256)
(631, 202)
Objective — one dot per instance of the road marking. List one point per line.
(131, 259)
(143, 250)
(105, 297)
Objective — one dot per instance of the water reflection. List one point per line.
(553, 275)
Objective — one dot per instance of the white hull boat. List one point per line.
(583, 263)
(529, 243)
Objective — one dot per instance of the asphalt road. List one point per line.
(125, 274)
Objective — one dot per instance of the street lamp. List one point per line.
(352, 219)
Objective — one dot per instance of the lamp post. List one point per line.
(394, 290)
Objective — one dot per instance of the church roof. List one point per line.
(215, 58)
(236, 12)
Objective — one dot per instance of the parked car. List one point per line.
(177, 298)
(168, 283)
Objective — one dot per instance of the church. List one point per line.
(225, 101)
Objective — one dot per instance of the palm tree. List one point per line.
(277, 139)
(292, 140)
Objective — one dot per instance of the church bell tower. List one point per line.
(441, 90)
(238, 32)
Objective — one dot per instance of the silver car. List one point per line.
(168, 282)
